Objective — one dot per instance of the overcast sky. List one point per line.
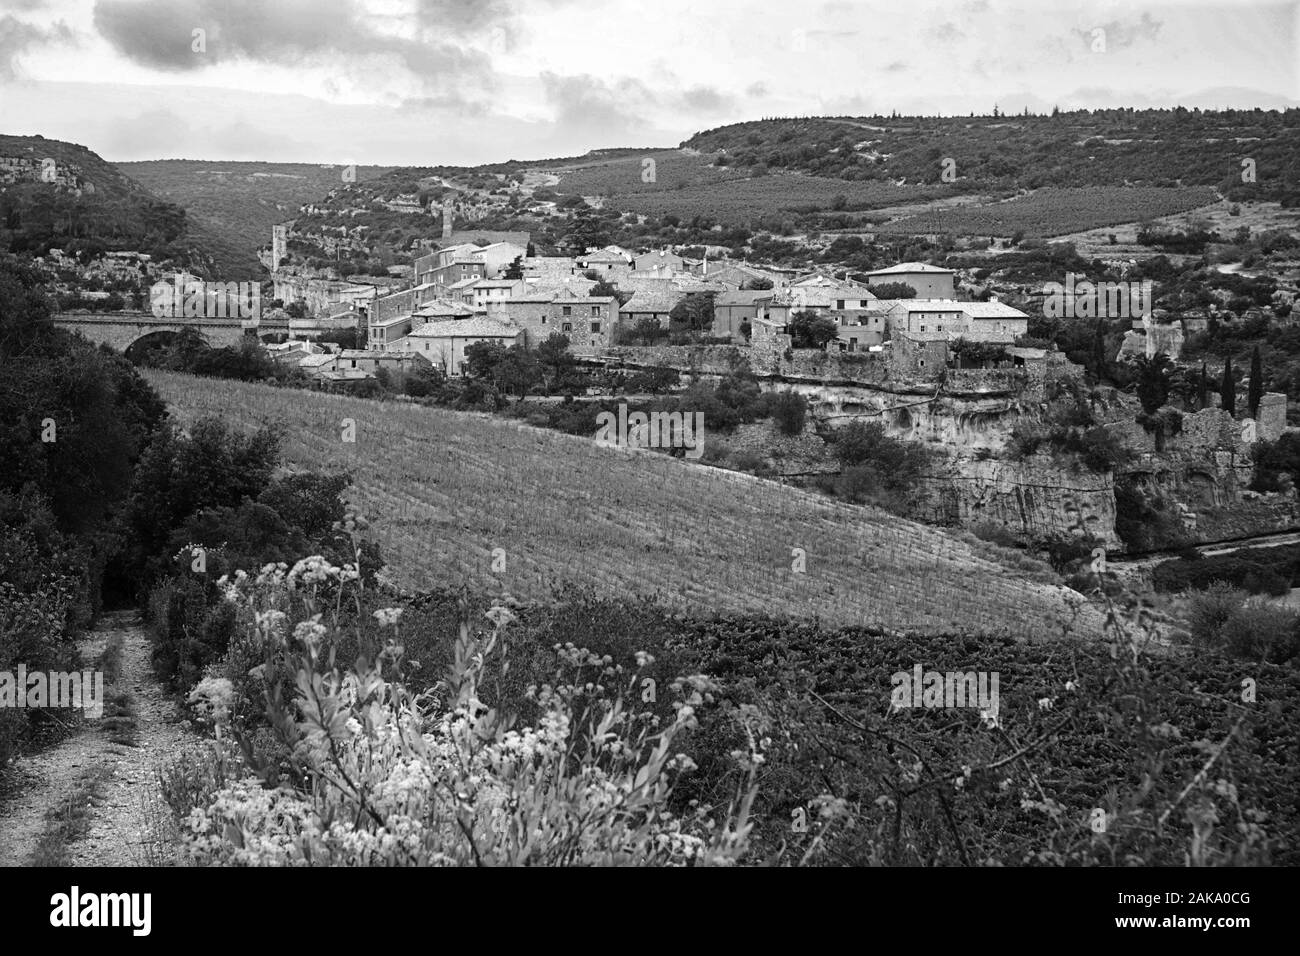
(425, 82)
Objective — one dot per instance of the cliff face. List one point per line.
(1032, 498)
(1203, 473)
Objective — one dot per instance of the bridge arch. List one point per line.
(122, 330)
(157, 339)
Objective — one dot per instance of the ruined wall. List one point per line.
(1204, 473)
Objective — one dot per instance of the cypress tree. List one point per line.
(1203, 390)
(1256, 389)
(1099, 349)
(1228, 389)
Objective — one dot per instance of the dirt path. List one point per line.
(119, 819)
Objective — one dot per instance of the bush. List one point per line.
(1209, 610)
(1253, 570)
(789, 411)
(391, 778)
(1260, 631)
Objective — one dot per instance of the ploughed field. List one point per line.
(444, 489)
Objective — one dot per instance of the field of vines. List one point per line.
(1056, 212)
(443, 489)
(685, 186)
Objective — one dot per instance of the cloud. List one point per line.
(16, 37)
(945, 32)
(705, 99)
(160, 34)
(584, 102)
(1119, 35)
(756, 89)
(898, 66)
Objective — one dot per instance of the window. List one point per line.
(839, 304)
(595, 327)
(920, 363)
(567, 310)
(923, 328)
(543, 320)
(595, 310)
(567, 327)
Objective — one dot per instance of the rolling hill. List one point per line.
(444, 489)
(235, 204)
(94, 206)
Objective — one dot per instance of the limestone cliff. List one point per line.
(1033, 498)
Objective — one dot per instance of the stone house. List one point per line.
(730, 309)
(588, 321)
(659, 261)
(488, 294)
(650, 305)
(444, 343)
(860, 328)
(930, 282)
(979, 321)
(606, 262)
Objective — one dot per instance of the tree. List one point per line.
(808, 330)
(893, 290)
(554, 359)
(603, 288)
(423, 380)
(1228, 389)
(1099, 350)
(1255, 391)
(482, 359)
(789, 411)
(693, 313)
(758, 284)
(1203, 389)
(1155, 378)
(518, 370)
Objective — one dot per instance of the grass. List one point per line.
(69, 820)
(119, 711)
(444, 489)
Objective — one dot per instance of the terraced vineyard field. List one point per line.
(685, 185)
(443, 489)
(1056, 212)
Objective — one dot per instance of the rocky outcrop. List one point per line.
(1033, 498)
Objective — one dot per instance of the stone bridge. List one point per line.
(122, 330)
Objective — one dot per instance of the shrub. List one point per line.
(383, 776)
(1210, 609)
(790, 411)
(1260, 631)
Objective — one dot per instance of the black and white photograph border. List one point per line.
(529, 433)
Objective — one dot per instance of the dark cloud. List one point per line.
(16, 37)
(585, 102)
(160, 34)
(945, 32)
(705, 99)
(463, 16)
(1120, 35)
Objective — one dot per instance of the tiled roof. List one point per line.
(992, 310)
(911, 267)
(747, 297)
(480, 326)
(653, 301)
